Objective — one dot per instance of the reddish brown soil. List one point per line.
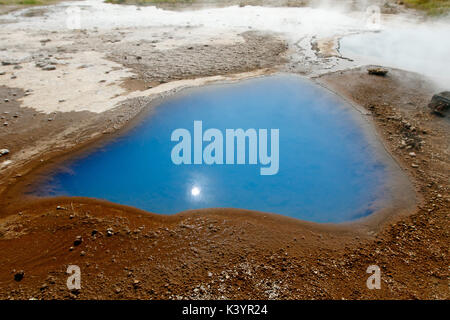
(225, 253)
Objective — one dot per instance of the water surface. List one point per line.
(328, 170)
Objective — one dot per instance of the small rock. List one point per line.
(440, 103)
(49, 67)
(412, 154)
(3, 152)
(19, 275)
(109, 232)
(414, 165)
(78, 241)
(377, 71)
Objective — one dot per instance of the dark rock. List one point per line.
(440, 103)
(8, 63)
(19, 275)
(377, 71)
(78, 241)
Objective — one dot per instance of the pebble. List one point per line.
(78, 241)
(4, 152)
(414, 165)
(19, 275)
(49, 67)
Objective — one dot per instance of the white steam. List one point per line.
(404, 42)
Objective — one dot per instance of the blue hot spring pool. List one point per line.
(328, 170)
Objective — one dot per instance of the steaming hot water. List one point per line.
(327, 170)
